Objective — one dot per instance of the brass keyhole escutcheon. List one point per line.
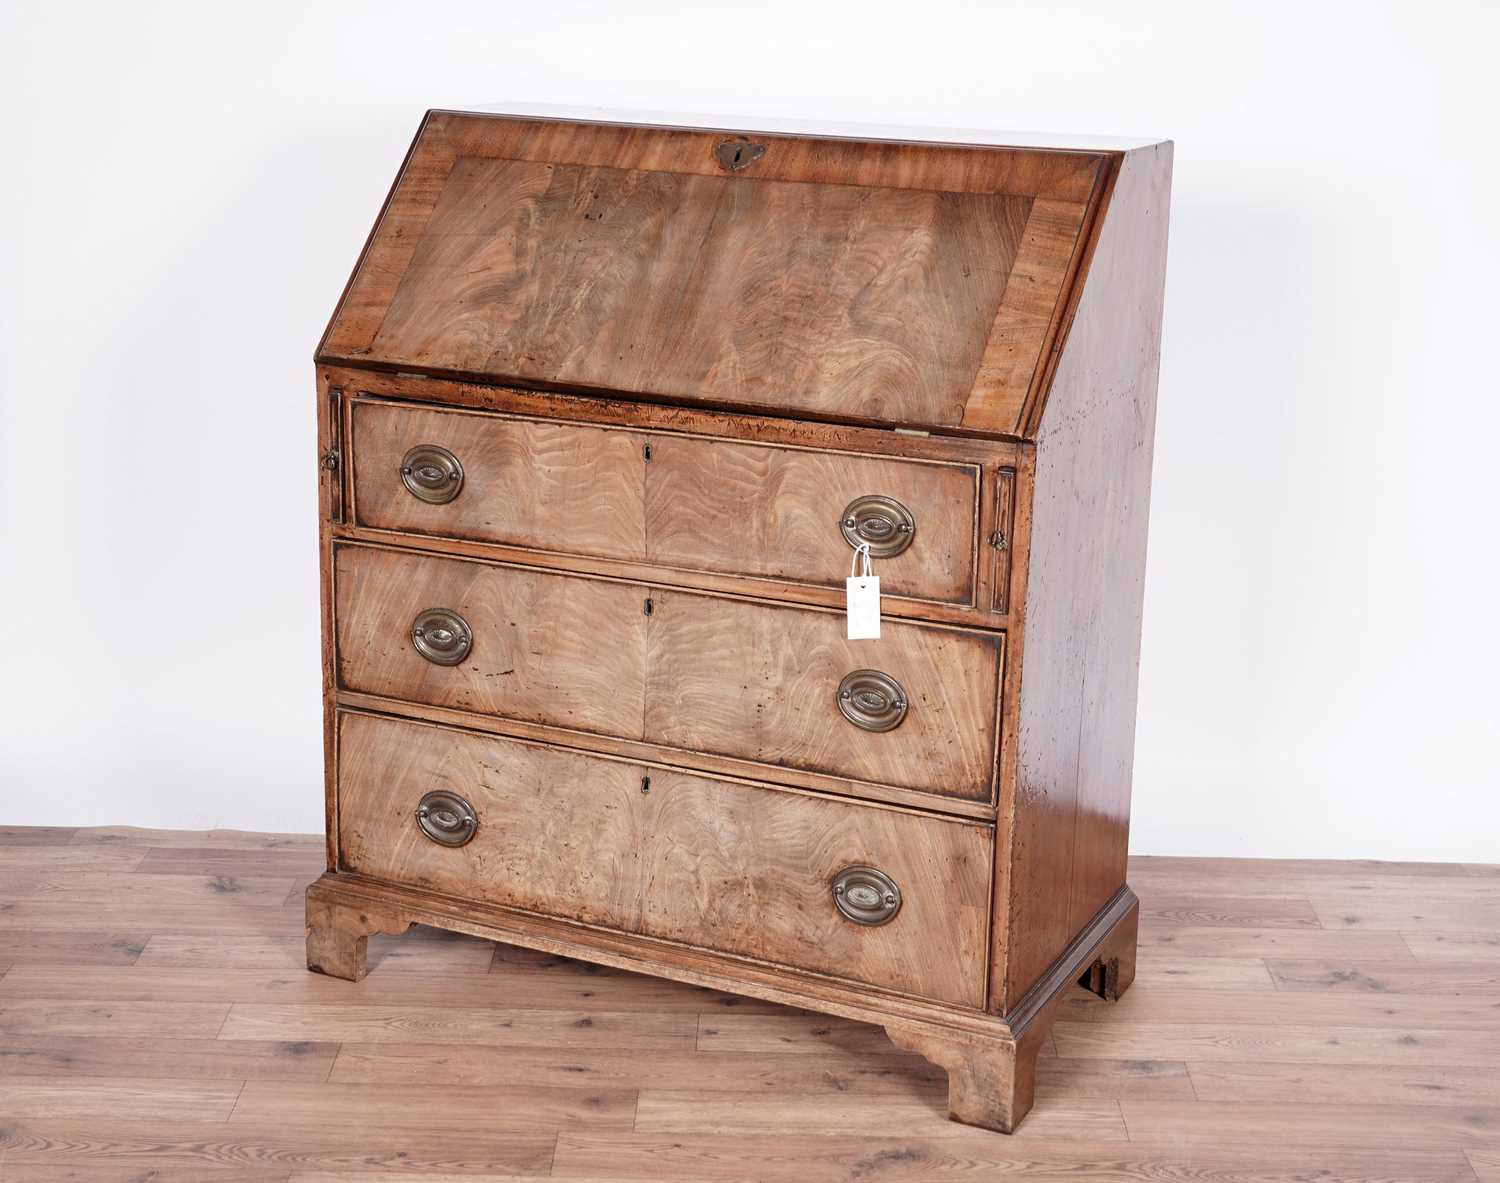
(446, 818)
(872, 700)
(738, 153)
(432, 474)
(880, 522)
(866, 895)
(442, 636)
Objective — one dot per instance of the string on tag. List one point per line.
(861, 554)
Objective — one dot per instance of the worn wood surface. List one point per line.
(709, 863)
(881, 282)
(411, 1074)
(693, 673)
(671, 501)
(744, 680)
(1078, 643)
(795, 456)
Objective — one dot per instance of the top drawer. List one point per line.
(665, 499)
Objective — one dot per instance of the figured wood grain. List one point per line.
(710, 863)
(652, 753)
(695, 504)
(548, 649)
(997, 460)
(697, 673)
(762, 683)
(554, 486)
(734, 290)
(848, 280)
(774, 512)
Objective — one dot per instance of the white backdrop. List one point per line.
(184, 193)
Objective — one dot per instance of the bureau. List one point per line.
(606, 414)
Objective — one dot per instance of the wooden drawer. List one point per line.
(713, 863)
(689, 670)
(675, 501)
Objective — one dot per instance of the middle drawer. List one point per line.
(687, 670)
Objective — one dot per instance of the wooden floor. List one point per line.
(1290, 1021)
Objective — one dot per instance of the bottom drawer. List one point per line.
(713, 863)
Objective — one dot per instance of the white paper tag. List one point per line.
(862, 596)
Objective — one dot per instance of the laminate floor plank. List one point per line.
(147, 1020)
(1182, 941)
(519, 1108)
(1289, 1022)
(476, 1025)
(803, 1158)
(1468, 947)
(698, 1112)
(19, 946)
(1475, 909)
(169, 1059)
(1211, 911)
(1337, 1084)
(119, 1098)
(15, 859)
(134, 1149)
(217, 839)
(107, 1173)
(36, 835)
(1204, 973)
(1486, 1165)
(798, 1032)
(1324, 1132)
(214, 915)
(425, 952)
(297, 861)
(1225, 1007)
(1470, 980)
(122, 887)
(836, 1071)
(1277, 1042)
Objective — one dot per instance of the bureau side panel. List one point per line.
(1075, 736)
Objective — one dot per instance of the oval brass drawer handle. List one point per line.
(882, 522)
(872, 700)
(447, 818)
(442, 636)
(432, 474)
(866, 896)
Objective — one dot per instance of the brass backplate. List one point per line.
(442, 636)
(447, 818)
(872, 700)
(431, 473)
(880, 522)
(866, 895)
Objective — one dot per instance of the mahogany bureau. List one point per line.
(605, 412)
